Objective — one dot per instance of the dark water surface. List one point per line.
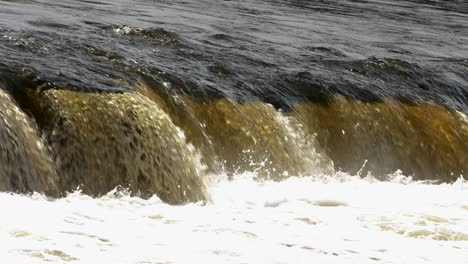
(275, 50)
(378, 81)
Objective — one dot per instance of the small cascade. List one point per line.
(24, 160)
(155, 144)
(423, 139)
(254, 136)
(104, 140)
(247, 136)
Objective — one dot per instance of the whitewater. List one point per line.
(324, 219)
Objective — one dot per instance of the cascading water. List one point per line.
(248, 136)
(24, 159)
(425, 140)
(272, 131)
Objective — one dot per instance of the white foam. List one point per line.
(339, 219)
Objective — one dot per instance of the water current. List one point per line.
(256, 131)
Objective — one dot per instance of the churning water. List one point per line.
(258, 131)
(329, 219)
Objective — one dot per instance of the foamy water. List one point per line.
(339, 219)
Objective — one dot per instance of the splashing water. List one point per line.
(157, 97)
(342, 219)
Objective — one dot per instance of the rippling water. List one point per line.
(229, 131)
(276, 50)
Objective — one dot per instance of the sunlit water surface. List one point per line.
(339, 219)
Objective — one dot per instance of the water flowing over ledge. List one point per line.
(277, 131)
(161, 143)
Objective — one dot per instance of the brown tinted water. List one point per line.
(155, 95)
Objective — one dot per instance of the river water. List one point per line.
(342, 219)
(256, 131)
